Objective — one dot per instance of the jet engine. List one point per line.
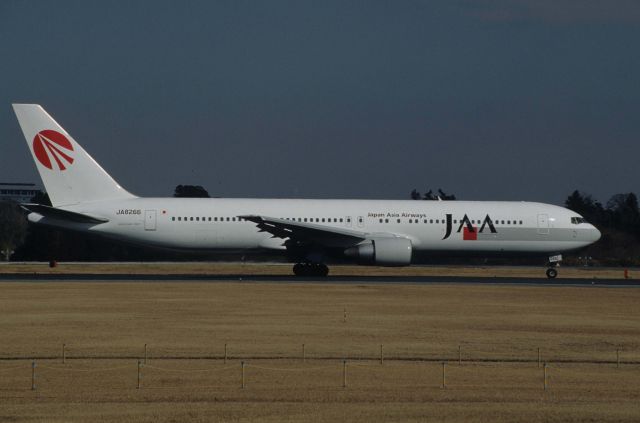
(382, 252)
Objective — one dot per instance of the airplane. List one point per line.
(310, 233)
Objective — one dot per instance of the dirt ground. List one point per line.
(495, 332)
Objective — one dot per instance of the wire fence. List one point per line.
(461, 353)
(457, 371)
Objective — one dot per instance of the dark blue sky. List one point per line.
(509, 100)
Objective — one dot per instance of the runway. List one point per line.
(218, 278)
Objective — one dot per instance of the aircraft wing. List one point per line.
(60, 214)
(309, 233)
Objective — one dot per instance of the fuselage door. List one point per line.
(543, 224)
(149, 220)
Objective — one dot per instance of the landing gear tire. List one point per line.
(323, 270)
(298, 269)
(311, 269)
(552, 273)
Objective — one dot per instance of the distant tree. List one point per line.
(625, 213)
(579, 203)
(13, 228)
(444, 196)
(587, 207)
(190, 191)
(429, 195)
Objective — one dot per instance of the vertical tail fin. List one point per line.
(70, 175)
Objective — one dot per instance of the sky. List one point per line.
(486, 99)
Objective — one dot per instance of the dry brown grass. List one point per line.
(261, 320)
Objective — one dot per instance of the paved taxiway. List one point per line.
(19, 277)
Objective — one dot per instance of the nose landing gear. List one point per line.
(554, 261)
(310, 269)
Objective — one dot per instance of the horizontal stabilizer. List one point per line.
(60, 214)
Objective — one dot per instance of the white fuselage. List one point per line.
(213, 224)
(84, 197)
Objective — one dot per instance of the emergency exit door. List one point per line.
(543, 224)
(150, 220)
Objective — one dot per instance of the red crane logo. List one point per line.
(48, 144)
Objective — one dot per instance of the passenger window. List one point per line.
(425, 221)
(380, 220)
(191, 219)
(386, 221)
(341, 220)
(410, 221)
(398, 220)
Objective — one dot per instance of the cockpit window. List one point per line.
(578, 220)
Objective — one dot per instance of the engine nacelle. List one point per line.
(382, 252)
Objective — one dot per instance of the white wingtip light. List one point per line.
(70, 175)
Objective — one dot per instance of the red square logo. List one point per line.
(469, 235)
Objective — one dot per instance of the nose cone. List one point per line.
(594, 234)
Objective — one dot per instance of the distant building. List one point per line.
(18, 192)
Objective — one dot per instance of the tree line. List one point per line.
(618, 219)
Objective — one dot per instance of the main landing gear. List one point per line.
(311, 269)
(554, 262)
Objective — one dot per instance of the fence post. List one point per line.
(459, 355)
(304, 356)
(618, 358)
(33, 375)
(145, 353)
(344, 319)
(381, 355)
(139, 373)
(444, 375)
(242, 367)
(545, 376)
(538, 357)
(344, 373)
(225, 353)
(64, 355)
